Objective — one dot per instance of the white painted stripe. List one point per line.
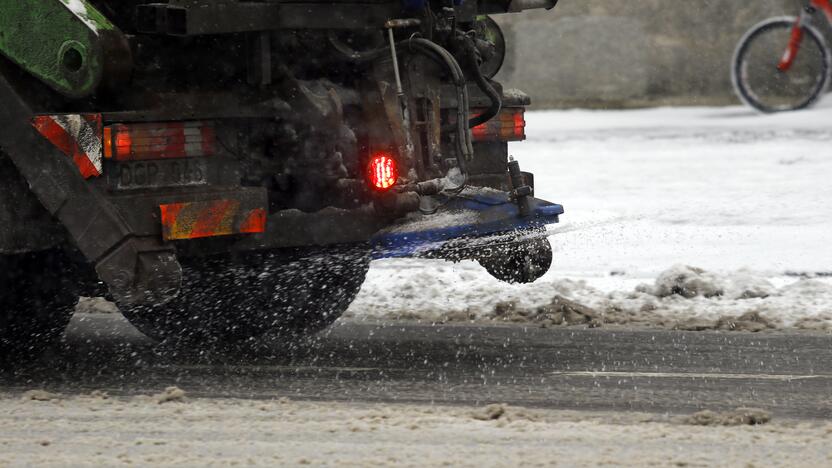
(685, 375)
(85, 135)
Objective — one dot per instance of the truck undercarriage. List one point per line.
(222, 169)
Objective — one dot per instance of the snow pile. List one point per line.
(690, 282)
(738, 417)
(40, 395)
(171, 394)
(682, 297)
(504, 413)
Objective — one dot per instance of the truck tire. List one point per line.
(232, 298)
(518, 263)
(37, 300)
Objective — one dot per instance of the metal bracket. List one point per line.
(521, 191)
(94, 224)
(70, 46)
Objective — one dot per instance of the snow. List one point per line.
(97, 430)
(717, 188)
(742, 196)
(417, 223)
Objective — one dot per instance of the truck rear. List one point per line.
(222, 169)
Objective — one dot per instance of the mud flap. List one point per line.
(474, 219)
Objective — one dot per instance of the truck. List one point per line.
(225, 169)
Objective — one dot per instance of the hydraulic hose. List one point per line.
(484, 85)
(464, 143)
(465, 148)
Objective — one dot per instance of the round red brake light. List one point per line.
(382, 171)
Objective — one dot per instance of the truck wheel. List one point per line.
(227, 299)
(522, 262)
(36, 302)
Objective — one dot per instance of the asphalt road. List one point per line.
(579, 369)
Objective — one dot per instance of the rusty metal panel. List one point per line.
(212, 218)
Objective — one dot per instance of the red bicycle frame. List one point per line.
(796, 38)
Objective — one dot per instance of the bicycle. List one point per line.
(770, 79)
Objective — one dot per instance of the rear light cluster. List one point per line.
(508, 125)
(382, 171)
(131, 142)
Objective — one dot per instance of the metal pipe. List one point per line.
(392, 40)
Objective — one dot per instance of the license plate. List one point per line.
(162, 173)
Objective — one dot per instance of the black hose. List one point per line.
(457, 76)
(465, 148)
(463, 133)
(496, 100)
(473, 68)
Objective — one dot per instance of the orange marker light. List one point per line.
(160, 140)
(508, 125)
(108, 142)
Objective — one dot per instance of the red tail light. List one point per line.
(382, 171)
(127, 142)
(508, 125)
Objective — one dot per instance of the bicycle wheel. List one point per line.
(761, 84)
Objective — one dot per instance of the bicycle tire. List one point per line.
(740, 76)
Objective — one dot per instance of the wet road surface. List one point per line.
(563, 368)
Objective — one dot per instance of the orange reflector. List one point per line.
(141, 141)
(194, 220)
(508, 125)
(382, 171)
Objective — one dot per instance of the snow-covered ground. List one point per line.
(43, 429)
(743, 196)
